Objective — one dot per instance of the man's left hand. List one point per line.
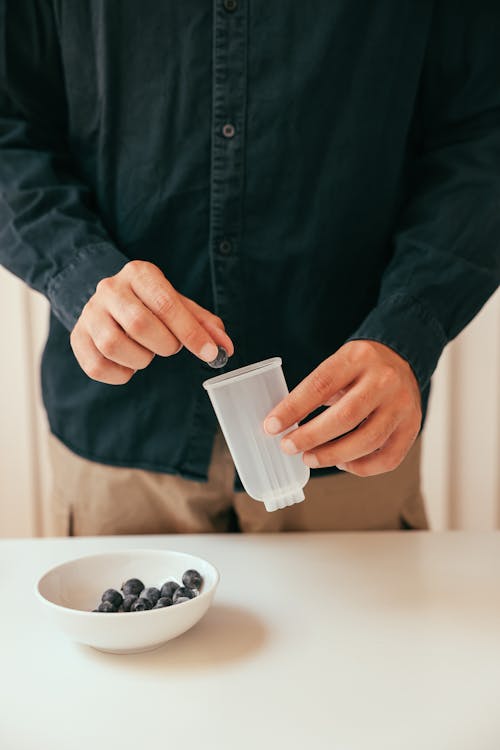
(374, 412)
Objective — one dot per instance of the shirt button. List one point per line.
(228, 130)
(225, 247)
(230, 5)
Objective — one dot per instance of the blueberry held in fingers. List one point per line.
(221, 359)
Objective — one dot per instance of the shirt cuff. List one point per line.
(70, 290)
(405, 325)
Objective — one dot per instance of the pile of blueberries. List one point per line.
(136, 597)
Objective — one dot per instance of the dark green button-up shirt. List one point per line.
(311, 171)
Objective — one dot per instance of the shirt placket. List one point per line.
(229, 84)
(226, 189)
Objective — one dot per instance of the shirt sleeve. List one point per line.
(50, 233)
(446, 247)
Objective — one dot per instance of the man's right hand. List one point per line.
(136, 314)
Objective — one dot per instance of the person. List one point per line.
(315, 181)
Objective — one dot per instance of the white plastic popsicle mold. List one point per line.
(241, 400)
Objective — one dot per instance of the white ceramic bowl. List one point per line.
(72, 590)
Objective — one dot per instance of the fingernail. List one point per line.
(311, 460)
(209, 352)
(288, 446)
(342, 467)
(272, 425)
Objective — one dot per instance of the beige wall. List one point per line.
(461, 472)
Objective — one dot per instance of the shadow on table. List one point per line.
(225, 634)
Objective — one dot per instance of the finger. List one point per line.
(93, 363)
(213, 324)
(201, 312)
(140, 324)
(334, 373)
(114, 344)
(345, 415)
(386, 458)
(336, 397)
(220, 337)
(158, 294)
(371, 435)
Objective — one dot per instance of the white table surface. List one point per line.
(334, 641)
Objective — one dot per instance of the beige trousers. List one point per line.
(90, 498)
